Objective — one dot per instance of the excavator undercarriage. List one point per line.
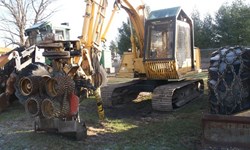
(166, 95)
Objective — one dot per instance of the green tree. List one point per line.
(114, 48)
(197, 28)
(208, 32)
(233, 24)
(124, 42)
(203, 30)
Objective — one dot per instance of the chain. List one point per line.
(228, 88)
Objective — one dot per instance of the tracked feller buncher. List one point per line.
(164, 56)
(51, 90)
(227, 125)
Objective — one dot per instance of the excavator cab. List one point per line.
(168, 44)
(37, 32)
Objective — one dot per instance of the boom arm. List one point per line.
(91, 34)
(137, 17)
(93, 22)
(115, 9)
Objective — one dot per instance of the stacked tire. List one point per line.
(229, 80)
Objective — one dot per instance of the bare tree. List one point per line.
(17, 14)
(40, 7)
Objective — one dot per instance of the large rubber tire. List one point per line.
(229, 80)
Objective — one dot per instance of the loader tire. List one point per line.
(229, 80)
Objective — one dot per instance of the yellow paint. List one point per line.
(127, 65)
(139, 66)
(99, 103)
(197, 58)
(4, 50)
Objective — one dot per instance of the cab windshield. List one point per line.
(160, 40)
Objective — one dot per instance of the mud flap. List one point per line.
(226, 131)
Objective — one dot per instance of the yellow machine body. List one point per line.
(168, 49)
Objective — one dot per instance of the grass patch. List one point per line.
(14, 112)
(119, 125)
(177, 130)
(174, 131)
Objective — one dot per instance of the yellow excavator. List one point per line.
(165, 55)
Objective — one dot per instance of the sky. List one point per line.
(72, 11)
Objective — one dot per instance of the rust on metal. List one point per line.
(226, 131)
(32, 106)
(29, 85)
(50, 108)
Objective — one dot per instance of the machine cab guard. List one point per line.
(169, 43)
